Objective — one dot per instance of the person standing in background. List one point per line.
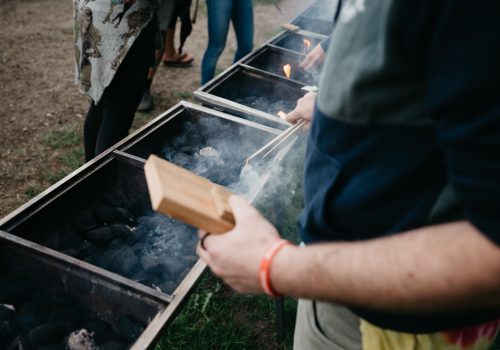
(220, 13)
(171, 56)
(114, 48)
(166, 52)
(317, 55)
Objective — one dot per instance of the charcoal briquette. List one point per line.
(134, 237)
(7, 325)
(138, 248)
(7, 312)
(31, 315)
(120, 230)
(115, 244)
(141, 219)
(55, 346)
(190, 259)
(53, 240)
(59, 300)
(128, 329)
(105, 214)
(80, 340)
(115, 198)
(113, 345)
(71, 240)
(67, 319)
(85, 221)
(121, 261)
(88, 249)
(45, 334)
(151, 263)
(172, 267)
(13, 291)
(101, 234)
(102, 330)
(23, 343)
(124, 216)
(168, 286)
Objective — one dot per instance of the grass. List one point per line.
(66, 152)
(214, 317)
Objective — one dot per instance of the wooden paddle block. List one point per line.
(185, 196)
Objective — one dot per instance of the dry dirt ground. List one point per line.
(41, 110)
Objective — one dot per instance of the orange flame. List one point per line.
(281, 114)
(307, 45)
(287, 68)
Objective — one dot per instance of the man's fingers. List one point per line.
(310, 64)
(201, 233)
(305, 62)
(241, 207)
(293, 117)
(203, 253)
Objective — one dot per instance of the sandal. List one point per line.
(182, 61)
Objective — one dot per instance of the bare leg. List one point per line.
(170, 54)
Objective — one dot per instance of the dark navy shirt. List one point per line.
(406, 129)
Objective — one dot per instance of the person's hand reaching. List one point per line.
(314, 58)
(304, 109)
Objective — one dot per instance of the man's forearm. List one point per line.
(430, 269)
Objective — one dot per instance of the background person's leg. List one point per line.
(219, 15)
(242, 18)
(91, 129)
(123, 95)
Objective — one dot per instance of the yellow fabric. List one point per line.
(474, 338)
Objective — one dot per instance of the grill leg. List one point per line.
(280, 318)
(278, 216)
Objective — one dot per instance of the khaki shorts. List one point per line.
(323, 325)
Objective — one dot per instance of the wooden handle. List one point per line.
(290, 27)
(221, 200)
(185, 196)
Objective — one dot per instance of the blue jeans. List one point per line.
(220, 13)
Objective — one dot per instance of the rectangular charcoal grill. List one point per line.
(252, 94)
(57, 295)
(272, 59)
(295, 41)
(91, 221)
(99, 218)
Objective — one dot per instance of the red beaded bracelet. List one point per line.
(265, 267)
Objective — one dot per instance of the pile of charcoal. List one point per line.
(149, 248)
(213, 148)
(32, 318)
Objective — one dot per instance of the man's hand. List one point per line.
(304, 109)
(235, 256)
(313, 58)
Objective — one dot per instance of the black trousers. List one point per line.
(110, 120)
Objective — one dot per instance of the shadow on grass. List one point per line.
(215, 317)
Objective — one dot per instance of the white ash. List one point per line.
(81, 340)
(208, 152)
